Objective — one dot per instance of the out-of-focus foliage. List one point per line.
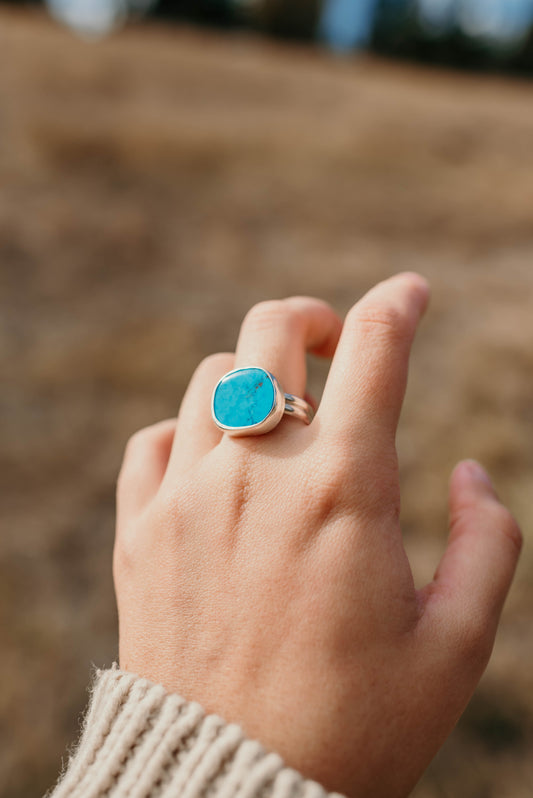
(298, 19)
(469, 33)
(484, 34)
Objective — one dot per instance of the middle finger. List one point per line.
(275, 335)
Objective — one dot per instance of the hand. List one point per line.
(265, 577)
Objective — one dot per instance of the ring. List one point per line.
(250, 401)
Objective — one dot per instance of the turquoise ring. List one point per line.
(250, 401)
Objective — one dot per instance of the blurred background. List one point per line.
(482, 34)
(157, 181)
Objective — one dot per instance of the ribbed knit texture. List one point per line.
(139, 741)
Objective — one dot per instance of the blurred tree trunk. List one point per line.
(297, 19)
(524, 60)
(211, 12)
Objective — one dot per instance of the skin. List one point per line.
(265, 577)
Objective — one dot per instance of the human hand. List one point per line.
(265, 577)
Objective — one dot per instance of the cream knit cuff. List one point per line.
(141, 742)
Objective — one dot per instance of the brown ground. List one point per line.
(152, 188)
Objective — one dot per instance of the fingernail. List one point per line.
(477, 472)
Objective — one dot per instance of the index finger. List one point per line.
(368, 375)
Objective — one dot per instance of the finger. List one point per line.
(196, 432)
(310, 399)
(143, 467)
(368, 376)
(276, 335)
(477, 568)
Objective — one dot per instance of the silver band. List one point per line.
(298, 408)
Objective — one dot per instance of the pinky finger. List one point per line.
(143, 467)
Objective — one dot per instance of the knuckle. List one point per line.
(462, 517)
(135, 446)
(496, 517)
(300, 304)
(325, 502)
(213, 363)
(472, 641)
(125, 552)
(297, 300)
(327, 492)
(376, 497)
(127, 476)
(137, 440)
(507, 525)
(379, 320)
(139, 540)
(270, 314)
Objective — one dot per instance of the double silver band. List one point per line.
(298, 408)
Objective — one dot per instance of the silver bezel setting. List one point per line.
(268, 423)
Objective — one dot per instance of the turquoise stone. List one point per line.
(243, 398)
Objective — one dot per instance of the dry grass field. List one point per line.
(154, 186)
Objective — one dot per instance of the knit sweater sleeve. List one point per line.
(138, 741)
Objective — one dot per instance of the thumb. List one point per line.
(477, 568)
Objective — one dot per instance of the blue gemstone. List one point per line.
(243, 398)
